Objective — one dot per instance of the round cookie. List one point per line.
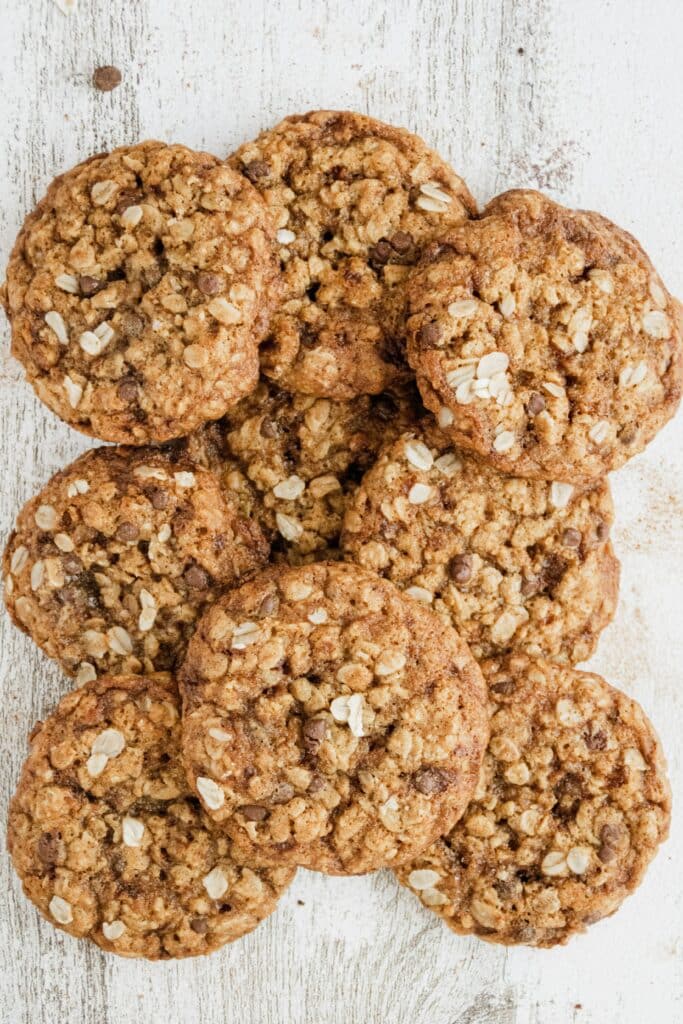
(109, 842)
(354, 201)
(330, 721)
(110, 565)
(572, 803)
(304, 456)
(138, 291)
(513, 564)
(543, 339)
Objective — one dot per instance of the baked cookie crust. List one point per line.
(572, 803)
(138, 291)
(330, 721)
(110, 566)
(110, 844)
(543, 339)
(354, 202)
(513, 564)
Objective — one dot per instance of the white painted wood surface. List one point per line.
(582, 99)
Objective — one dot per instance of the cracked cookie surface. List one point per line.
(138, 292)
(543, 339)
(330, 721)
(511, 563)
(354, 202)
(109, 566)
(109, 842)
(571, 806)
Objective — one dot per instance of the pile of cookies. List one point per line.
(323, 598)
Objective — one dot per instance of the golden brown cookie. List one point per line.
(138, 292)
(110, 565)
(354, 201)
(543, 339)
(109, 842)
(512, 564)
(572, 804)
(304, 457)
(330, 721)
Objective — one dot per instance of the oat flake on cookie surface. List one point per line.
(511, 563)
(543, 339)
(571, 806)
(330, 721)
(138, 291)
(354, 202)
(111, 564)
(109, 842)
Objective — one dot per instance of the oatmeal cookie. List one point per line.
(111, 564)
(137, 292)
(330, 721)
(513, 564)
(543, 339)
(354, 202)
(305, 456)
(109, 842)
(572, 803)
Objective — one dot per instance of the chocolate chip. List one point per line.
(158, 497)
(595, 740)
(316, 784)
(571, 538)
(126, 199)
(553, 570)
(315, 729)
(429, 781)
(460, 568)
(89, 285)
(610, 840)
(535, 404)
(209, 284)
(428, 335)
(131, 325)
(269, 604)
(282, 794)
(106, 78)
(381, 253)
(199, 925)
(127, 390)
(48, 847)
(402, 241)
(602, 530)
(72, 565)
(628, 434)
(127, 532)
(252, 812)
(268, 428)
(196, 578)
(529, 586)
(255, 170)
(504, 687)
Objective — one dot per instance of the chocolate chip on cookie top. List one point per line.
(513, 564)
(137, 292)
(329, 720)
(109, 842)
(572, 804)
(543, 339)
(110, 565)
(354, 202)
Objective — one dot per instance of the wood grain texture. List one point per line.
(581, 99)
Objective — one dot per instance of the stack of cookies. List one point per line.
(323, 598)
